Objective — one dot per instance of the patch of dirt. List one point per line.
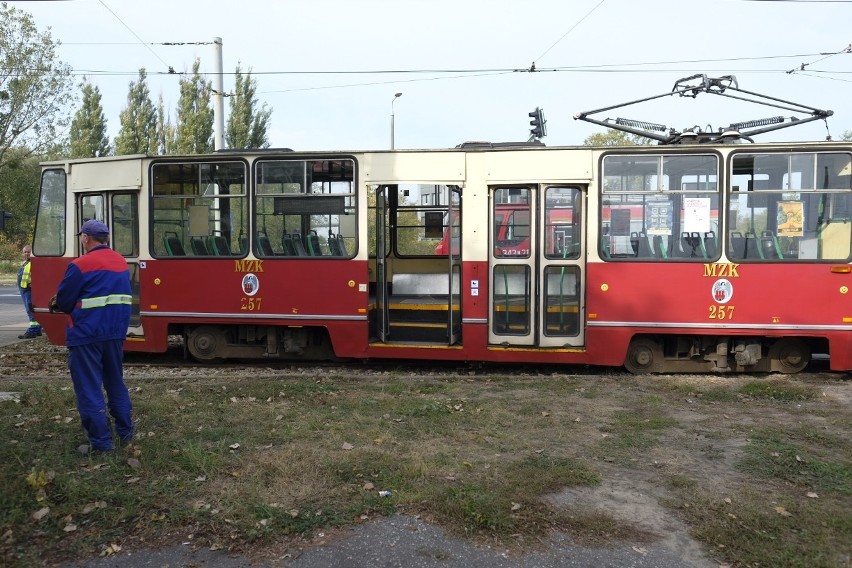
(635, 502)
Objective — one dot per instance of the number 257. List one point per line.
(721, 313)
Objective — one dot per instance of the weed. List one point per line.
(782, 390)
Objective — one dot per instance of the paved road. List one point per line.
(13, 318)
(407, 542)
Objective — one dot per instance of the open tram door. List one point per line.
(119, 209)
(454, 269)
(416, 231)
(536, 266)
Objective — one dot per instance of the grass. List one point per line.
(239, 462)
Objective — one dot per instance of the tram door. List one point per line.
(536, 267)
(120, 211)
(382, 308)
(454, 270)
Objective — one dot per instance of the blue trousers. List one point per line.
(95, 368)
(27, 299)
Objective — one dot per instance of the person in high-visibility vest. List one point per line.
(95, 293)
(25, 288)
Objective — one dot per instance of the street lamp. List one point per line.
(393, 100)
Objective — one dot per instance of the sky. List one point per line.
(330, 69)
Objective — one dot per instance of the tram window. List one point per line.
(512, 217)
(302, 208)
(49, 239)
(563, 215)
(789, 207)
(511, 313)
(198, 202)
(659, 208)
(125, 223)
(422, 226)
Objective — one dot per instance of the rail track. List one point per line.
(39, 359)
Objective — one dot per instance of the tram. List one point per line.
(689, 257)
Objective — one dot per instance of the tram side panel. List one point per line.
(717, 299)
(331, 294)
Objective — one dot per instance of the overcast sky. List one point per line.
(455, 60)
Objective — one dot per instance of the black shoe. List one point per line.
(30, 334)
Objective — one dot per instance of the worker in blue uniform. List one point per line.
(26, 291)
(96, 295)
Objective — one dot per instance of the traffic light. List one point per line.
(537, 123)
(4, 216)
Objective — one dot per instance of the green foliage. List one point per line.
(616, 138)
(247, 125)
(89, 127)
(137, 134)
(194, 130)
(165, 130)
(36, 89)
(19, 183)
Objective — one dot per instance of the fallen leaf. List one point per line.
(783, 512)
(71, 527)
(812, 495)
(94, 505)
(234, 446)
(368, 486)
(134, 463)
(347, 446)
(200, 478)
(41, 513)
(516, 506)
(133, 480)
(640, 550)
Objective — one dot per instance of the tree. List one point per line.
(36, 89)
(19, 179)
(847, 135)
(616, 138)
(247, 127)
(165, 130)
(138, 131)
(194, 130)
(88, 136)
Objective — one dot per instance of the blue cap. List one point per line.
(94, 228)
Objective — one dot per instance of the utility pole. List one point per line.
(218, 97)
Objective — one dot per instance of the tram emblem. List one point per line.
(251, 285)
(722, 291)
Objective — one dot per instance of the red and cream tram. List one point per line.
(694, 257)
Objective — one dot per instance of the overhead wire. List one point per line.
(580, 21)
(141, 41)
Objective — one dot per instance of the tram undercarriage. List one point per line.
(720, 354)
(215, 342)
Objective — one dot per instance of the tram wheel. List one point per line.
(206, 342)
(643, 356)
(789, 355)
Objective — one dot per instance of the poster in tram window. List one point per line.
(696, 218)
(791, 215)
(620, 222)
(658, 218)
